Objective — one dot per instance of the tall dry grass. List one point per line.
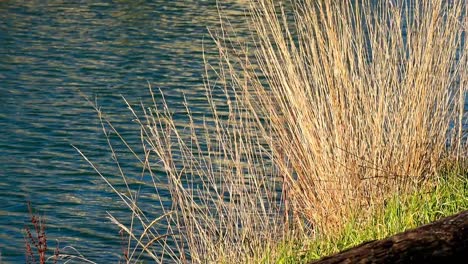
(360, 97)
(335, 105)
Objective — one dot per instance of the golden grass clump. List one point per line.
(359, 98)
(333, 106)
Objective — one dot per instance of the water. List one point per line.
(52, 53)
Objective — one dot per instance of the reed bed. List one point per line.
(330, 108)
(360, 100)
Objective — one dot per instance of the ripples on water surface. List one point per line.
(51, 50)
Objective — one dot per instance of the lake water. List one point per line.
(53, 52)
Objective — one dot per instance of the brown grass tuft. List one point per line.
(359, 98)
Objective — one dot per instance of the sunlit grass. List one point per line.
(400, 213)
(359, 98)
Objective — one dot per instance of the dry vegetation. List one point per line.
(334, 107)
(360, 103)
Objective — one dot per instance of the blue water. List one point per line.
(52, 53)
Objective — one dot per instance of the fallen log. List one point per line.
(443, 241)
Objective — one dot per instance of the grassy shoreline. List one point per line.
(332, 128)
(444, 197)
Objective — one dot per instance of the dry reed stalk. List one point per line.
(220, 181)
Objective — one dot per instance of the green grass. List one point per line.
(399, 213)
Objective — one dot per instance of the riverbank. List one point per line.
(331, 131)
(446, 196)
